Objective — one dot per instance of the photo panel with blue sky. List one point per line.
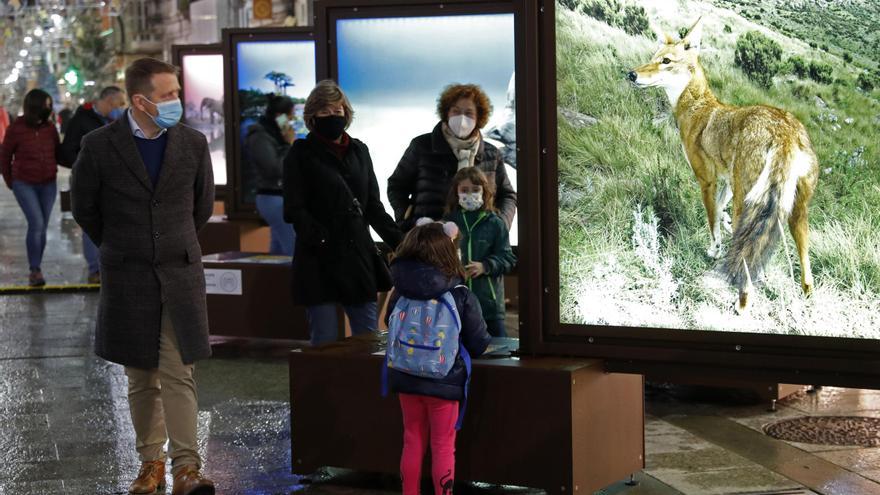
(394, 69)
(263, 67)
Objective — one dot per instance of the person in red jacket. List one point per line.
(4, 118)
(29, 162)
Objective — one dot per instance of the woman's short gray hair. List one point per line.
(326, 93)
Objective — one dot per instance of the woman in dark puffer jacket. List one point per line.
(420, 183)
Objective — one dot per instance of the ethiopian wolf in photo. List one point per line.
(759, 156)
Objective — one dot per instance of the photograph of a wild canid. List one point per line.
(759, 156)
(719, 175)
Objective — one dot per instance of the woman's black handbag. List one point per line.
(381, 270)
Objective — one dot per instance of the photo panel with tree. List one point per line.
(280, 67)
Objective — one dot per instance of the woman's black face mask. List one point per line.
(330, 127)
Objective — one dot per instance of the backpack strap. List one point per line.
(388, 342)
(467, 381)
(466, 357)
(453, 311)
(385, 375)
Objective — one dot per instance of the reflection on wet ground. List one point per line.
(65, 424)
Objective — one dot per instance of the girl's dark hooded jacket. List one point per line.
(417, 280)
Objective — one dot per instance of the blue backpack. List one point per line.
(423, 336)
(424, 339)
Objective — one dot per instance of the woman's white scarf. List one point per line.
(463, 149)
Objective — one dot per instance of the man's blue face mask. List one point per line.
(170, 113)
(116, 113)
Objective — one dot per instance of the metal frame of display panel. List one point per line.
(327, 12)
(667, 352)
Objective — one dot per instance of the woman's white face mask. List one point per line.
(462, 125)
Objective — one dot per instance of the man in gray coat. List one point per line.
(142, 188)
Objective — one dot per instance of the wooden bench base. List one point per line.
(564, 425)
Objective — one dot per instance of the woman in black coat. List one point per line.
(420, 184)
(332, 198)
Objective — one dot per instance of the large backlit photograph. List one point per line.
(271, 67)
(393, 85)
(718, 166)
(203, 102)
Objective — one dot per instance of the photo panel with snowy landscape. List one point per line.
(393, 72)
(719, 166)
(202, 98)
(263, 67)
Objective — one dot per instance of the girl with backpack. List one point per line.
(433, 317)
(485, 243)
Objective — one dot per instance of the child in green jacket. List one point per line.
(484, 243)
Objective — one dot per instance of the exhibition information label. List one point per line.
(226, 282)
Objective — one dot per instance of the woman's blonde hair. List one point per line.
(326, 93)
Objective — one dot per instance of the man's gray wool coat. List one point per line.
(150, 254)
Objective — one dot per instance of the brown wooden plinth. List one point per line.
(219, 236)
(263, 309)
(778, 391)
(222, 235)
(563, 425)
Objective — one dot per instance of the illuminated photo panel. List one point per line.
(720, 175)
(394, 69)
(203, 105)
(264, 67)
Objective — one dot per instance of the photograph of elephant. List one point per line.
(203, 105)
(719, 164)
(271, 67)
(394, 69)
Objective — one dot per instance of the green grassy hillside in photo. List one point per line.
(849, 28)
(633, 229)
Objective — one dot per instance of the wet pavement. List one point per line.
(65, 427)
(63, 261)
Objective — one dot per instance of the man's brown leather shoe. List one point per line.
(151, 478)
(189, 481)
